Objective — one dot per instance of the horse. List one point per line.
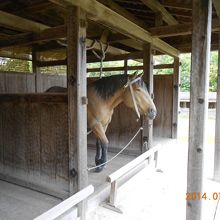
(104, 95)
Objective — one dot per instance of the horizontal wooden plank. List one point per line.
(121, 68)
(163, 66)
(122, 171)
(41, 98)
(66, 205)
(15, 72)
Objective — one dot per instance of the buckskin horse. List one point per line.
(106, 94)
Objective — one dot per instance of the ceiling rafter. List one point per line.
(100, 13)
(217, 7)
(120, 10)
(155, 6)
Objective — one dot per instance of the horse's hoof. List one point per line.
(99, 169)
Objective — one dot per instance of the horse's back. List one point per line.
(56, 89)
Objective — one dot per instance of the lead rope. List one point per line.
(101, 57)
(92, 168)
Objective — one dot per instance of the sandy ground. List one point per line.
(162, 195)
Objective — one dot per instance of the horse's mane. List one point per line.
(106, 87)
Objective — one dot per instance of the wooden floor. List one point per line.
(19, 203)
(97, 179)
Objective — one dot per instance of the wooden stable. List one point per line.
(43, 137)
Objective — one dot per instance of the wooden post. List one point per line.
(175, 97)
(36, 70)
(125, 66)
(201, 37)
(148, 77)
(77, 102)
(217, 125)
(158, 19)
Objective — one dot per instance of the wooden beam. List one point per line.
(171, 30)
(133, 56)
(201, 38)
(30, 98)
(125, 13)
(155, 6)
(11, 54)
(98, 12)
(112, 69)
(217, 125)
(164, 66)
(158, 19)
(51, 34)
(77, 104)
(51, 63)
(20, 23)
(36, 70)
(217, 7)
(176, 5)
(131, 43)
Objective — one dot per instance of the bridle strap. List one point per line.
(129, 83)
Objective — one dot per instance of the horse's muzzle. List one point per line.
(151, 113)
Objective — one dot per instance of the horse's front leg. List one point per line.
(98, 152)
(101, 146)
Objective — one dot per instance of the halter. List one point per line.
(129, 83)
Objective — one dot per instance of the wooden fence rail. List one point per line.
(65, 210)
(114, 177)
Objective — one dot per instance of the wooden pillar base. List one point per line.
(112, 207)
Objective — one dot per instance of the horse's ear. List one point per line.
(134, 75)
(141, 75)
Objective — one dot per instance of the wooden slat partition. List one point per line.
(13, 82)
(34, 143)
(163, 99)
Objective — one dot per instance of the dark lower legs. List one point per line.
(101, 155)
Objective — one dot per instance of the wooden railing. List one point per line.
(67, 209)
(122, 172)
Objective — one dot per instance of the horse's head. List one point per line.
(144, 103)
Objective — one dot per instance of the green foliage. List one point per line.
(185, 68)
(7, 64)
(163, 59)
(213, 78)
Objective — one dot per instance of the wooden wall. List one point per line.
(163, 99)
(34, 142)
(12, 82)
